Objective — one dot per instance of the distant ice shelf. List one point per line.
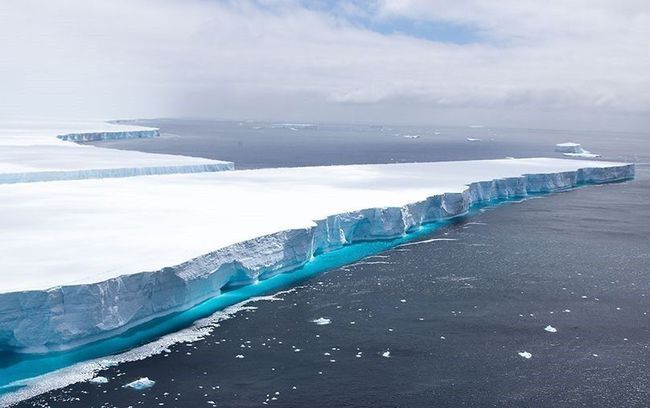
(45, 151)
(85, 259)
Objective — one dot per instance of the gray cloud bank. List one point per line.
(571, 63)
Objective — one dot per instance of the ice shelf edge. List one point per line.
(69, 316)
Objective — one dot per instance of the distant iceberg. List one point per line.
(571, 149)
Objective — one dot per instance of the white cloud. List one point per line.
(274, 58)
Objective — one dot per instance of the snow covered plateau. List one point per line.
(85, 259)
(32, 152)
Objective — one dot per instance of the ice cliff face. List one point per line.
(71, 315)
(109, 135)
(82, 174)
(37, 155)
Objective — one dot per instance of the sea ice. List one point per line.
(140, 384)
(550, 329)
(525, 354)
(98, 380)
(321, 321)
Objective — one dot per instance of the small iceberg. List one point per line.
(321, 321)
(472, 139)
(571, 149)
(550, 329)
(411, 136)
(386, 354)
(140, 384)
(98, 380)
(525, 354)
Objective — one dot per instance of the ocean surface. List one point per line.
(436, 322)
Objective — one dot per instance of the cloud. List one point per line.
(288, 59)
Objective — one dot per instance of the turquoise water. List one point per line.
(18, 367)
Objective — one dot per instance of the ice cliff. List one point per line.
(47, 153)
(72, 314)
(110, 135)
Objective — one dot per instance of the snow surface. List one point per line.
(117, 252)
(45, 152)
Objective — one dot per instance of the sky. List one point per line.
(582, 64)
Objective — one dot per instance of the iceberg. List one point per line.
(97, 257)
(140, 384)
(571, 149)
(46, 152)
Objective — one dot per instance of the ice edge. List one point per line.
(68, 316)
(61, 175)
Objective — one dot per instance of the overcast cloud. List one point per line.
(570, 63)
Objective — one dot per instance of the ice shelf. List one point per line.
(82, 259)
(45, 152)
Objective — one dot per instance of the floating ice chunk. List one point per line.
(386, 354)
(140, 384)
(99, 380)
(571, 149)
(525, 354)
(568, 147)
(472, 139)
(411, 136)
(550, 329)
(239, 356)
(321, 321)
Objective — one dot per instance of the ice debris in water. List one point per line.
(140, 384)
(321, 321)
(550, 329)
(239, 356)
(525, 354)
(386, 354)
(99, 380)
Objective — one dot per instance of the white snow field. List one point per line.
(82, 259)
(45, 151)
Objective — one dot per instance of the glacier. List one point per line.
(45, 151)
(97, 257)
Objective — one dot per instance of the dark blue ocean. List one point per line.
(435, 322)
